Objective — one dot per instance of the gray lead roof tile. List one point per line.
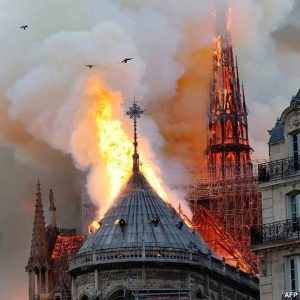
(138, 204)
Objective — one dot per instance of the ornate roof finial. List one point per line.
(135, 112)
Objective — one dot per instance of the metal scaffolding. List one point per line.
(224, 209)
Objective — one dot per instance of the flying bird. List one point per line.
(24, 27)
(126, 60)
(89, 66)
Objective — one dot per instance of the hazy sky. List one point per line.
(45, 130)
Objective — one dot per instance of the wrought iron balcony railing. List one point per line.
(282, 230)
(278, 169)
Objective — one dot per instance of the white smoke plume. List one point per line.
(48, 97)
(45, 114)
(269, 84)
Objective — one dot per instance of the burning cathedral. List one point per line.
(144, 249)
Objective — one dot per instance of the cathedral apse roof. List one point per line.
(140, 218)
(140, 225)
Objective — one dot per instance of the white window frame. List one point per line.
(288, 273)
(291, 143)
(290, 199)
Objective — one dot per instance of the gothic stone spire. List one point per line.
(39, 235)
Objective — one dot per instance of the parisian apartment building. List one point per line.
(277, 241)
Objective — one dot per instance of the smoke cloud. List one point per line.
(271, 75)
(46, 127)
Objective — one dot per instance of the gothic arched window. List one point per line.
(199, 294)
(216, 133)
(230, 164)
(121, 295)
(229, 132)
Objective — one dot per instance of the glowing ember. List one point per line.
(95, 225)
(66, 245)
(114, 144)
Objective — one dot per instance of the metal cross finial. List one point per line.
(135, 112)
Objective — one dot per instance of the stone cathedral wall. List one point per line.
(109, 281)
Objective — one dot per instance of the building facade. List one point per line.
(51, 247)
(278, 240)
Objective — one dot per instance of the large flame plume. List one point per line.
(114, 144)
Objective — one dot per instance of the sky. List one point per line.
(46, 125)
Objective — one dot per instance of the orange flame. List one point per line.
(95, 225)
(218, 63)
(218, 50)
(114, 145)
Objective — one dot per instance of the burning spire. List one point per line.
(227, 202)
(135, 112)
(228, 146)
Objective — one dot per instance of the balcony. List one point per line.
(276, 231)
(278, 169)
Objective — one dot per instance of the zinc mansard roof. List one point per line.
(277, 132)
(139, 218)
